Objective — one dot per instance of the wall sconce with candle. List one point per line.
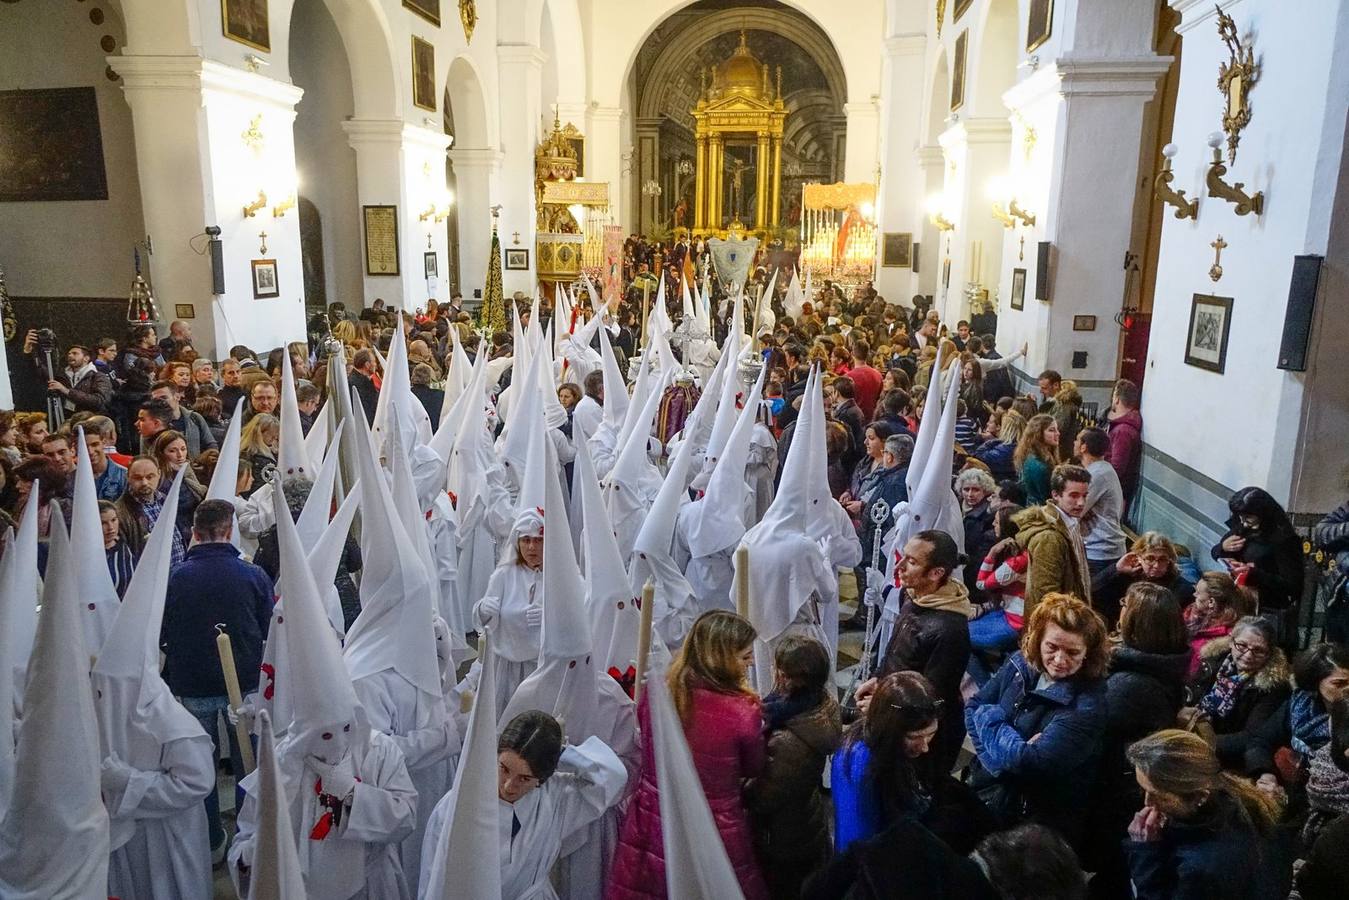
(1013, 208)
(251, 209)
(936, 213)
(1233, 193)
(446, 206)
(1185, 209)
(283, 207)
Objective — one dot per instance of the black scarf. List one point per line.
(779, 709)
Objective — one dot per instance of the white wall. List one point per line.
(72, 248)
(1239, 428)
(324, 159)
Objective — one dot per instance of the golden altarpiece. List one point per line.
(571, 215)
(741, 107)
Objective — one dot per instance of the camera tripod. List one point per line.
(56, 410)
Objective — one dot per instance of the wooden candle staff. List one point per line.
(226, 651)
(644, 636)
(742, 581)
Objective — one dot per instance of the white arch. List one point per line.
(938, 98)
(521, 22)
(475, 124)
(376, 87)
(994, 52)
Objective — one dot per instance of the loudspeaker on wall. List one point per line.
(217, 266)
(1042, 270)
(1297, 320)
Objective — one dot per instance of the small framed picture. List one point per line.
(265, 284)
(961, 7)
(427, 9)
(1019, 289)
(184, 311)
(517, 259)
(946, 272)
(1084, 323)
(1210, 324)
(897, 250)
(1039, 24)
(246, 21)
(431, 262)
(423, 74)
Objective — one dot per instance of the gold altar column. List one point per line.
(700, 186)
(761, 163)
(776, 212)
(716, 162)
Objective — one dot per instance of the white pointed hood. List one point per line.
(927, 429)
(93, 582)
(397, 388)
(658, 320)
(461, 372)
(615, 387)
(526, 415)
(934, 503)
(466, 864)
(316, 441)
(393, 630)
(54, 833)
(452, 415)
(687, 299)
(786, 565)
(473, 466)
(18, 624)
(293, 456)
(726, 414)
(276, 873)
(765, 318)
(318, 505)
(796, 297)
(225, 478)
(611, 604)
(696, 863)
(564, 685)
(716, 521)
(704, 310)
(634, 480)
(137, 713)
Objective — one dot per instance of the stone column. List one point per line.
(860, 159)
(603, 155)
(762, 165)
(518, 81)
(716, 162)
(1079, 182)
(932, 167)
(200, 161)
(979, 149)
(474, 171)
(900, 199)
(648, 169)
(700, 186)
(775, 214)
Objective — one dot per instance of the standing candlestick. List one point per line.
(742, 581)
(226, 651)
(644, 636)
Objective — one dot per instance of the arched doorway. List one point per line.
(470, 166)
(666, 81)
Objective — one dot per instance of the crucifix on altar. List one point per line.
(739, 125)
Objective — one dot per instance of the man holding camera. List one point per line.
(82, 386)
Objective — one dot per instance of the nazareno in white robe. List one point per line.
(169, 855)
(359, 858)
(511, 592)
(588, 781)
(430, 745)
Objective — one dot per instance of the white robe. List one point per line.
(588, 781)
(511, 592)
(430, 745)
(383, 812)
(587, 855)
(169, 855)
(587, 415)
(760, 471)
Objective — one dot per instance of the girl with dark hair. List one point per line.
(804, 726)
(722, 722)
(1242, 681)
(547, 792)
(1218, 604)
(1202, 832)
(1144, 690)
(884, 772)
(1280, 751)
(1264, 553)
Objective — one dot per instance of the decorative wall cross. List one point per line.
(1218, 246)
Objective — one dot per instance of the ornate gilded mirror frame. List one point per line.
(1236, 77)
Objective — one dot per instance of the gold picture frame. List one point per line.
(961, 7)
(427, 9)
(381, 239)
(468, 17)
(1236, 77)
(958, 70)
(1039, 23)
(941, 14)
(423, 74)
(248, 22)
(897, 250)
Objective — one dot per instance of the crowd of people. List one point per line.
(440, 557)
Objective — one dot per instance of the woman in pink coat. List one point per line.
(724, 728)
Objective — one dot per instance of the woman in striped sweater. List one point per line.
(996, 627)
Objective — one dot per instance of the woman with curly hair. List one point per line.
(1037, 453)
(1037, 726)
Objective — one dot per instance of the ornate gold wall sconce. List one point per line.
(251, 209)
(1185, 209)
(1233, 193)
(1015, 209)
(283, 207)
(1002, 215)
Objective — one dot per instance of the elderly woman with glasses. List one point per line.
(1152, 559)
(1243, 680)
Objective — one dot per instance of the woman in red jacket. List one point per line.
(724, 727)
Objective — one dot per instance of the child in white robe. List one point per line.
(513, 607)
(547, 792)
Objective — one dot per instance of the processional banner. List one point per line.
(732, 259)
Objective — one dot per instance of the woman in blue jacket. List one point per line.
(883, 774)
(1038, 724)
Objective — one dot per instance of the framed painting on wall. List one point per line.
(946, 272)
(51, 146)
(427, 9)
(1206, 339)
(1039, 24)
(1018, 289)
(431, 264)
(517, 259)
(265, 283)
(897, 250)
(423, 74)
(381, 239)
(246, 21)
(958, 71)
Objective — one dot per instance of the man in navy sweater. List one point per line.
(214, 586)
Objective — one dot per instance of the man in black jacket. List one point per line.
(214, 585)
(82, 386)
(362, 379)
